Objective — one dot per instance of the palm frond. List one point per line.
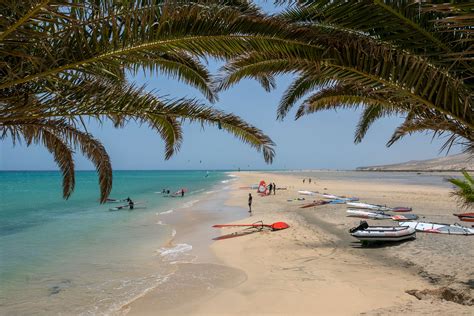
(464, 191)
(60, 150)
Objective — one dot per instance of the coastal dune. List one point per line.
(316, 267)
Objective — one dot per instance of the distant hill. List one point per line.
(449, 163)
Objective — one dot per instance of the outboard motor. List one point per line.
(362, 226)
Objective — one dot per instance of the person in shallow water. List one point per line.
(250, 202)
(130, 203)
(182, 192)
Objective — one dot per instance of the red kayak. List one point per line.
(258, 225)
(465, 217)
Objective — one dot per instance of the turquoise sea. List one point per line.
(76, 256)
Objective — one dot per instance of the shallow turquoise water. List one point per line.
(76, 253)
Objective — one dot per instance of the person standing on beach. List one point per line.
(303, 180)
(270, 188)
(309, 180)
(250, 202)
(274, 188)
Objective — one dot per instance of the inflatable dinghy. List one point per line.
(364, 232)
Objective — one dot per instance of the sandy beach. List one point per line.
(315, 266)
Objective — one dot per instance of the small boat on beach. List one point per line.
(376, 207)
(439, 228)
(364, 232)
(465, 217)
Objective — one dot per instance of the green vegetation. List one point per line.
(64, 62)
(464, 190)
(401, 58)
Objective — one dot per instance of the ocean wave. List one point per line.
(196, 191)
(174, 252)
(160, 223)
(173, 233)
(122, 306)
(166, 212)
(190, 203)
(225, 181)
(232, 175)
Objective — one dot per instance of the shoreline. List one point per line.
(192, 225)
(315, 262)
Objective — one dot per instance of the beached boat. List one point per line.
(364, 232)
(465, 217)
(439, 228)
(376, 207)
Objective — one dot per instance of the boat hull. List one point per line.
(385, 233)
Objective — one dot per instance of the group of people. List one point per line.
(167, 192)
(131, 205)
(271, 187)
(309, 180)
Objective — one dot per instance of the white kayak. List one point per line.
(367, 214)
(307, 192)
(365, 232)
(439, 228)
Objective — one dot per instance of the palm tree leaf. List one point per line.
(62, 153)
(60, 138)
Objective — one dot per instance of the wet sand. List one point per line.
(316, 267)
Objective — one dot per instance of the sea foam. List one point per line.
(174, 252)
(166, 212)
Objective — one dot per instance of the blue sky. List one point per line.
(318, 141)
(323, 140)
